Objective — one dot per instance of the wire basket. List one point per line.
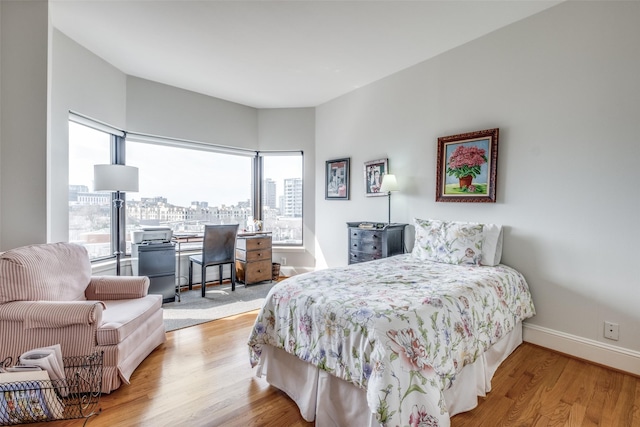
(76, 396)
(275, 271)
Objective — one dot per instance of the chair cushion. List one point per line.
(51, 272)
(122, 317)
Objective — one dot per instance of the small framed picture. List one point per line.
(337, 179)
(373, 173)
(467, 167)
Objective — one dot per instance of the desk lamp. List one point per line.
(116, 178)
(388, 185)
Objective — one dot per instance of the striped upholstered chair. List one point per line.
(48, 296)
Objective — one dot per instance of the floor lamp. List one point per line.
(388, 185)
(116, 178)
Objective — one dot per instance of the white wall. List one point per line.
(1, 84)
(158, 109)
(86, 84)
(294, 129)
(563, 88)
(24, 35)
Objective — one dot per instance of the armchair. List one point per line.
(48, 296)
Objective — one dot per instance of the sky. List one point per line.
(181, 176)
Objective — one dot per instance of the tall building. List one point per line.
(292, 197)
(269, 193)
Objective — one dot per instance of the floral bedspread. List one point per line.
(400, 327)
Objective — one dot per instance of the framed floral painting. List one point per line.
(467, 167)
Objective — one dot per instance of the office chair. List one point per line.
(218, 248)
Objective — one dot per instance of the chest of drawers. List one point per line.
(367, 244)
(253, 258)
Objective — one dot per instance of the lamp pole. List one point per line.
(116, 179)
(388, 185)
(117, 203)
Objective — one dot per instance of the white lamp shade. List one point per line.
(115, 178)
(389, 183)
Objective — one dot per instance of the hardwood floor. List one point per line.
(201, 377)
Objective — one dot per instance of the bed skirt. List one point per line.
(331, 401)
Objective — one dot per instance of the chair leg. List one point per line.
(233, 276)
(204, 280)
(190, 275)
(220, 274)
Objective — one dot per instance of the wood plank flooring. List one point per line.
(201, 377)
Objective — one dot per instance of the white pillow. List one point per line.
(492, 247)
(458, 242)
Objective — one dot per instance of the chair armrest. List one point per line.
(52, 314)
(117, 287)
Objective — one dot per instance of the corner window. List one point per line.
(281, 196)
(182, 185)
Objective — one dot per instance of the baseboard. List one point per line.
(601, 353)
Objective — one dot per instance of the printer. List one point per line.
(150, 235)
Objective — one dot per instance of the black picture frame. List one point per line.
(336, 185)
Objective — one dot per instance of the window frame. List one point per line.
(194, 147)
(260, 179)
(118, 156)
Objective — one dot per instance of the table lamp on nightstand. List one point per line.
(388, 185)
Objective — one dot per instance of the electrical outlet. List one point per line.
(283, 261)
(612, 331)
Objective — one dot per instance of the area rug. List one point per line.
(218, 302)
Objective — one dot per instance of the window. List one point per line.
(282, 196)
(186, 187)
(89, 212)
(183, 185)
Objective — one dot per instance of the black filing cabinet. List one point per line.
(157, 261)
(369, 241)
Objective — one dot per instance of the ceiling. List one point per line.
(277, 54)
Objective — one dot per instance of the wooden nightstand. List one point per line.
(253, 258)
(366, 244)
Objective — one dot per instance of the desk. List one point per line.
(179, 239)
(185, 238)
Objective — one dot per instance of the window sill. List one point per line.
(289, 249)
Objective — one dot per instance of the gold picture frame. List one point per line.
(467, 167)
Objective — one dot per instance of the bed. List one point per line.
(407, 340)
